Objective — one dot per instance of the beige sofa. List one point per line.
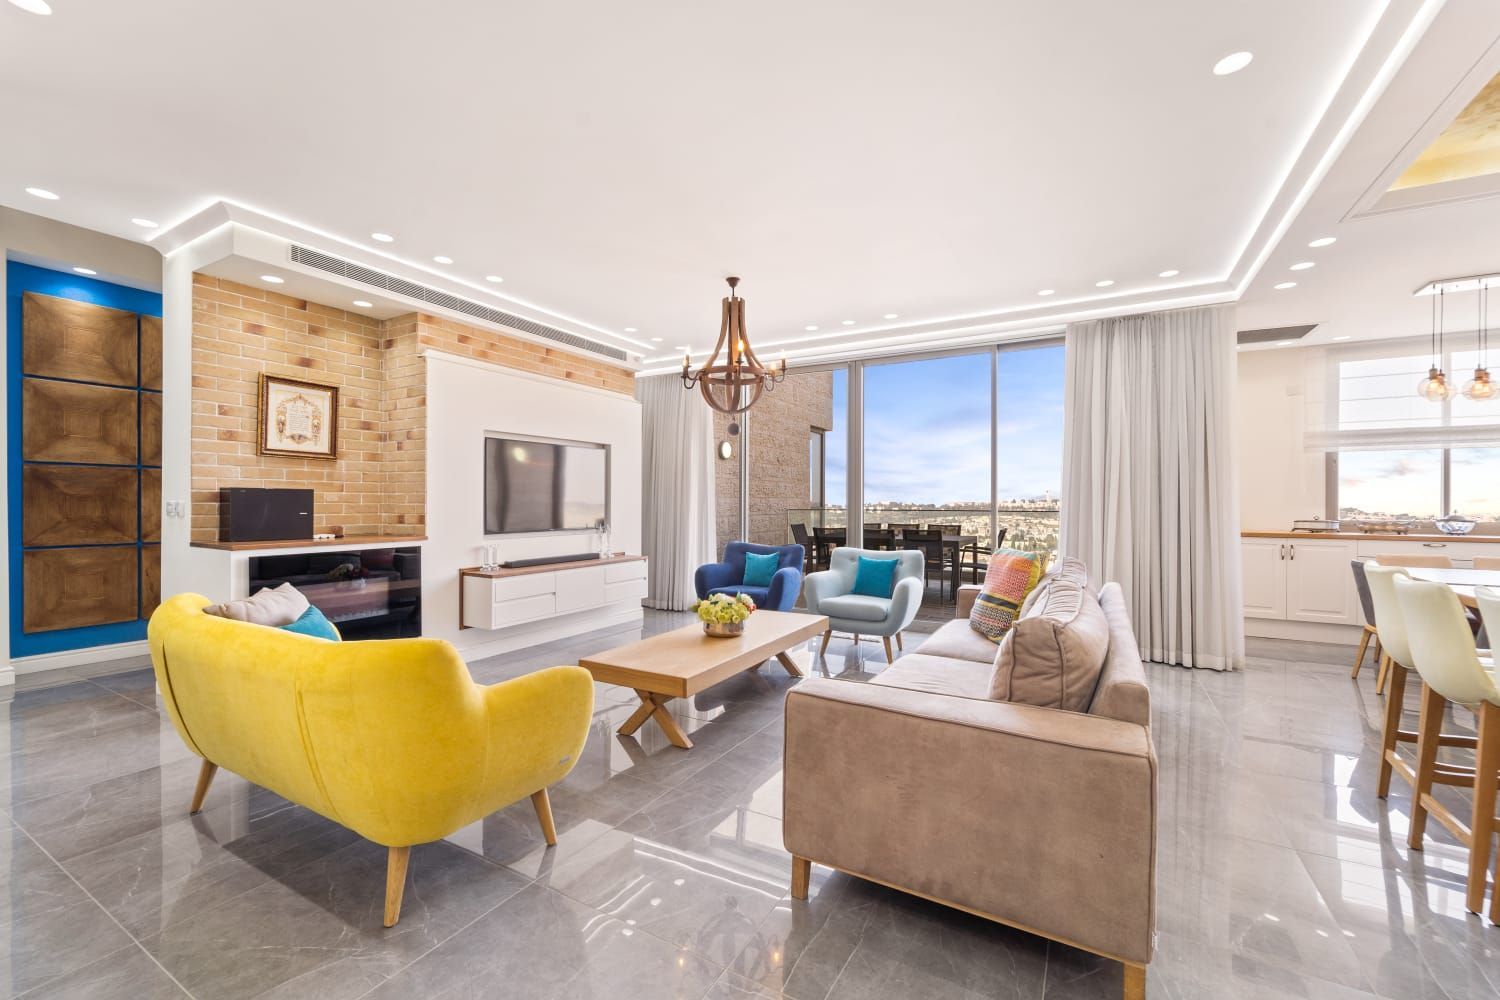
(1038, 818)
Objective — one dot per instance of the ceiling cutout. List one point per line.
(1468, 147)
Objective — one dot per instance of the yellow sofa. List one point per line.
(391, 738)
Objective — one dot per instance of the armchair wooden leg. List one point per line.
(205, 778)
(801, 875)
(899, 647)
(395, 882)
(543, 806)
(1135, 982)
(823, 650)
(889, 656)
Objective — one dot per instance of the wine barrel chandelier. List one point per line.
(733, 384)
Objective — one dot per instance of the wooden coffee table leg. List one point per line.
(790, 664)
(668, 724)
(641, 714)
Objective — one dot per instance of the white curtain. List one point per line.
(678, 483)
(1150, 477)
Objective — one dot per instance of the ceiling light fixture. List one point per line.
(145, 223)
(733, 385)
(847, 322)
(1047, 291)
(1285, 343)
(493, 277)
(1434, 388)
(42, 193)
(656, 340)
(1343, 337)
(273, 279)
(811, 328)
(1232, 63)
(630, 329)
(361, 303)
(1323, 241)
(1479, 388)
(1105, 283)
(1303, 265)
(382, 237)
(86, 270)
(33, 6)
(1284, 285)
(1170, 272)
(440, 259)
(890, 315)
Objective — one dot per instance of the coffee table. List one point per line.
(680, 663)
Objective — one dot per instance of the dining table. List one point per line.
(1461, 581)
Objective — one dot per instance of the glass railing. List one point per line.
(1028, 528)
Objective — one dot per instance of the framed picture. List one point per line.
(297, 419)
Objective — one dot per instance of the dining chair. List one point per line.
(1487, 562)
(1367, 606)
(904, 527)
(881, 539)
(801, 537)
(825, 540)
(1451, 669)
(981, 566)
(934, 554)
(1415, 561)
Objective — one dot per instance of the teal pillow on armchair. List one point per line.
(875, 577)
(760, 568)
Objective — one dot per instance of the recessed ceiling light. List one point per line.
(656, 340)
(273, 279)
(1285, 343)
(440, 259)
(682, 347)
(42, 193)
(144, 223)
(382, 237)
(1284, 285)
(890, 315)
(85, 270)
(1170, 272)
(1047, 291)
(1324, 241)
(847, 322)
(1232, 63)
(1105, 283)
(810, 327)
(1344, 337)
(1303, 265)
(493, 277)
(630, 329)
(33, 6)
(361, 303)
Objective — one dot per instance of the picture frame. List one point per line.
(297, 419)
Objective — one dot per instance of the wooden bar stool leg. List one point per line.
(1385, 672)
(1486, 773)
(1428, 731)
(1359, 654)
(1393, 705)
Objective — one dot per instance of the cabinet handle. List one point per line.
(1435, 545)
(1283, 552)
(1294, 551)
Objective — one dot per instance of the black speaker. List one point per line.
(263, 515)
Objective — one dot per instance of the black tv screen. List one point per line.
(544, 485)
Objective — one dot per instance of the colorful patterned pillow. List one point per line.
(1011, 576)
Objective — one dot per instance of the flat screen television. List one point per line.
(532, 484)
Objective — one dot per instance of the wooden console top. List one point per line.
(501, 573)
(342, 542)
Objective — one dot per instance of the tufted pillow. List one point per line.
(268, 606)
(1011, 576)
(1053, 656)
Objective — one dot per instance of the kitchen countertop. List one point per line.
(1372, 536)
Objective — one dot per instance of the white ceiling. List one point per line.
(614, 161)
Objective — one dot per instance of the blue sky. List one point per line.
(927, 428)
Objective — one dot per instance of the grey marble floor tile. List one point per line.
(128, 974)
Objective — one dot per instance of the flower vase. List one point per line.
(723, 630)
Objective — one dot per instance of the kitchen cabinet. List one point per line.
(1301, 579)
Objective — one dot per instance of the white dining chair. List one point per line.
(1395, 661)
(1415, 561)
(1443, 654)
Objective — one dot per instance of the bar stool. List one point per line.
(1395, 661)
(1442, 647)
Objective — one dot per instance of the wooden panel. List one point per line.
(66, 422)
(62, 338)
(150, 505)
(151, 352)
(70, 588)
(150, 579)
(150, 428)
(77, 505)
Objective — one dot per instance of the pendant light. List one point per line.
(1480, 388)
(1434, 388)
(735, 383)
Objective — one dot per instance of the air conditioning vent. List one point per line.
(445, 300)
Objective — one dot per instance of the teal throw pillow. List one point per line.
(314, 623)
(759, 568)
(875, 577)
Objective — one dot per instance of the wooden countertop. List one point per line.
(504, 571)
(345, 542)
(1372, 537)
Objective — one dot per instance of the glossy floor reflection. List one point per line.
(1280, 874)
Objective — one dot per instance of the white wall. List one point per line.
(1279, 480)
(465, 399)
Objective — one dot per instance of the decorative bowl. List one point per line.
(723, 630)
(1455, 524)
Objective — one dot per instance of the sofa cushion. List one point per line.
(1052, 657)
(1012, 574)
(1067, 568)
(273, 606)
(956, 640)
(756, 594)
(938, 675)
(314, 623)
(856, 607)
(875, 577)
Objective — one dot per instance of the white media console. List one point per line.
(500, 598)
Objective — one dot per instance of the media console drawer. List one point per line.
(495, 599)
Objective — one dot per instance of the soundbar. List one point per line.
(544, 560)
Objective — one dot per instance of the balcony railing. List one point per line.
(1028, 528)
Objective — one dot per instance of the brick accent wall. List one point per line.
(780, 475)
(378, 484)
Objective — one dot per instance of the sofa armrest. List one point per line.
(906, 601)
(1039, 818)
(822, 585)
(711, 575)
(967, 595)
(537, 725)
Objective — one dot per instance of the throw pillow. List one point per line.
(1011, 576)
(1053, 656)
(760, 567)
(268, 606)
(314, 623)
(875, 577)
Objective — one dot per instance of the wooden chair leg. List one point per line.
(823, 650)
(543, 806)
(395, 882)
(1428, 731)
(1359, 654)
(1385, 672)
(1486, 774)
(801, 875)
(205, 778)
(889, 656)
(1135, 982)
(899, 647)
(1393, 705)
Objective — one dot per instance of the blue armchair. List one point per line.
(831, 593)
(728, 577)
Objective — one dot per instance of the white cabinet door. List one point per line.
(1264, 570)
(1320, 582)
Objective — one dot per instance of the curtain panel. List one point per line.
(677, 477)
(1150, 477)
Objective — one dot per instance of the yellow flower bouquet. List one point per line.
(724, 614)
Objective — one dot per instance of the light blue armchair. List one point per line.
(830, 593)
